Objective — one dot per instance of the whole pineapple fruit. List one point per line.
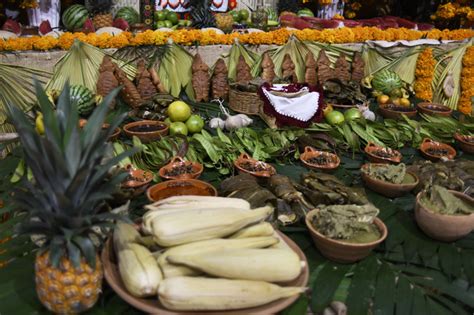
(70, 185)
(224, 21)
(101, 12)
(201, 14)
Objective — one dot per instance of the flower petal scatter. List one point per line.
(209, 37)
(467, 82)
(424, 72)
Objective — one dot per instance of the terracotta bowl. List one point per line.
(178, 161)
(340, 251)
(434, 109)
(387, 189)
(392, 112)
(310, 152)
(443, 227)
(464, 143)
(146, 136)
(180, 187)
(430, 144)
(244, 158)
(138, 180)
(371, 150)
(114, 136)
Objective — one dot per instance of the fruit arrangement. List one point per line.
(169, 19)
(217, 254)
(181, 120)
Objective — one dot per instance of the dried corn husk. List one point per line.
(129, 92)
(107, 80)
(325, 72)
(144, 82)
(268, 68)
(288, 69)
(236, 51)
(220, 85)
(310, 76)
(200, 79)
(156, 80)
(358, 66)
(243, 71)
(342, 69)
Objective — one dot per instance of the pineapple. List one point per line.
(63, 202)
(224, 21)
(101, 12)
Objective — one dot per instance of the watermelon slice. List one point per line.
(44, 28)
(121, 24)
(88, 26)
(12, 26)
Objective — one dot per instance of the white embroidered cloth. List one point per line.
(301, 105)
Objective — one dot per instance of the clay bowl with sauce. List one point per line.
(310, 154)
(180, 187)
(435, 151)
(388, 189)
(172, 169)
(137, 180)
(434, 109)
(392, 111)
(245, 164)
(466, 142)
(379, 154)
(146, 130)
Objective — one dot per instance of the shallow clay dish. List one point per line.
(146, 136)
(395, 112)
(310, 152)
(340, 251)
(389, 189)
(178, 161)
(138, 180)
(466, 143)
(153, 306)
(443, 227)
(244, 158)
(428, 144)
(180, 187)
(371, 150)
(434, 109)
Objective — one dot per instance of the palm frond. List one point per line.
(235, 52)
(150, 53)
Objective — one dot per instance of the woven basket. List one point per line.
(248, 103)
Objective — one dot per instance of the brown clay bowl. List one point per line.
(114, 136)
(310, 152)
(340, 251)
(387, 189)
(391, 111)
(146, 136)
(244, 159)
(371, 150)
(434, 109)
(428, 144)
(152, 305)
(464, 143)
(443, 227)
(180, 187)
(178, 161)
(138, 180)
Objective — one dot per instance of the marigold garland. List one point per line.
(467, 82)
(424, 72)
(209, 37)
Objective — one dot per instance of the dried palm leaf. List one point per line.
(297, 51)
(236, 51)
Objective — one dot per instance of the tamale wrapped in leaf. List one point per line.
(220, 84)
(440, 200)
(342, 69)
(144, 82)
(107, 80)
(268, 68)
(310, 76)
(358, 66)
(325, 72)
(200, 79)
(129, 91)
(394, 174)
(288, 69)
(243, 71)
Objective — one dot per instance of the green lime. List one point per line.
(179, 111)
(182, 22)
(167, 121)
(244, 15)
(160, 24)
(235, 15)
(178, 128)
(335, 117)
(168, 24)
(172, 17)
(195, 124)
(160, 15)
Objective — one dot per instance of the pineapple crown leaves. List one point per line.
(71, 178)
(99, 6)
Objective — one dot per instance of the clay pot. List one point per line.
(244, 158)
(371, 149)
(430, 144)
(146, 136)
(180, 187)
(340, 251)
(464, 144)
(391, 112)
(442, 227)
(310, 152)
(114, 136)
(138, 180)
(434, 109)
(387, 189)
(178, 161)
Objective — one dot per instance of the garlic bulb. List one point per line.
(217, 123)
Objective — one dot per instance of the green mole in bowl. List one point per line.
(388, 180)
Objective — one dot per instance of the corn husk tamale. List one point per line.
(220, 85)
(107, 80)
(310, 75)
(200, 79)
(268, 68)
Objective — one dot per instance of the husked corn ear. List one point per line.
(171, 270)
(199, 202)
(195, 225)
(260, 229)
(272, 265)
(206, 294)
(125, 233)
(281, 244)
(139, 270)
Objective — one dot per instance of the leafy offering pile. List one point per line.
(394, 174)
(440, 200)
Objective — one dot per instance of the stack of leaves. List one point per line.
(440, 200)
(425, 68)
(394, 174)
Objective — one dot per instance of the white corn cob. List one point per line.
(206, 294)
(124, 233)
(281, 244)
(260, 229)
(200, 202)
(195, 225)
(171, 270)
(139, 270)
(272, 265)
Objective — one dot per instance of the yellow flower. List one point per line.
(338, 17)
(424, 72)
(467, 82)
